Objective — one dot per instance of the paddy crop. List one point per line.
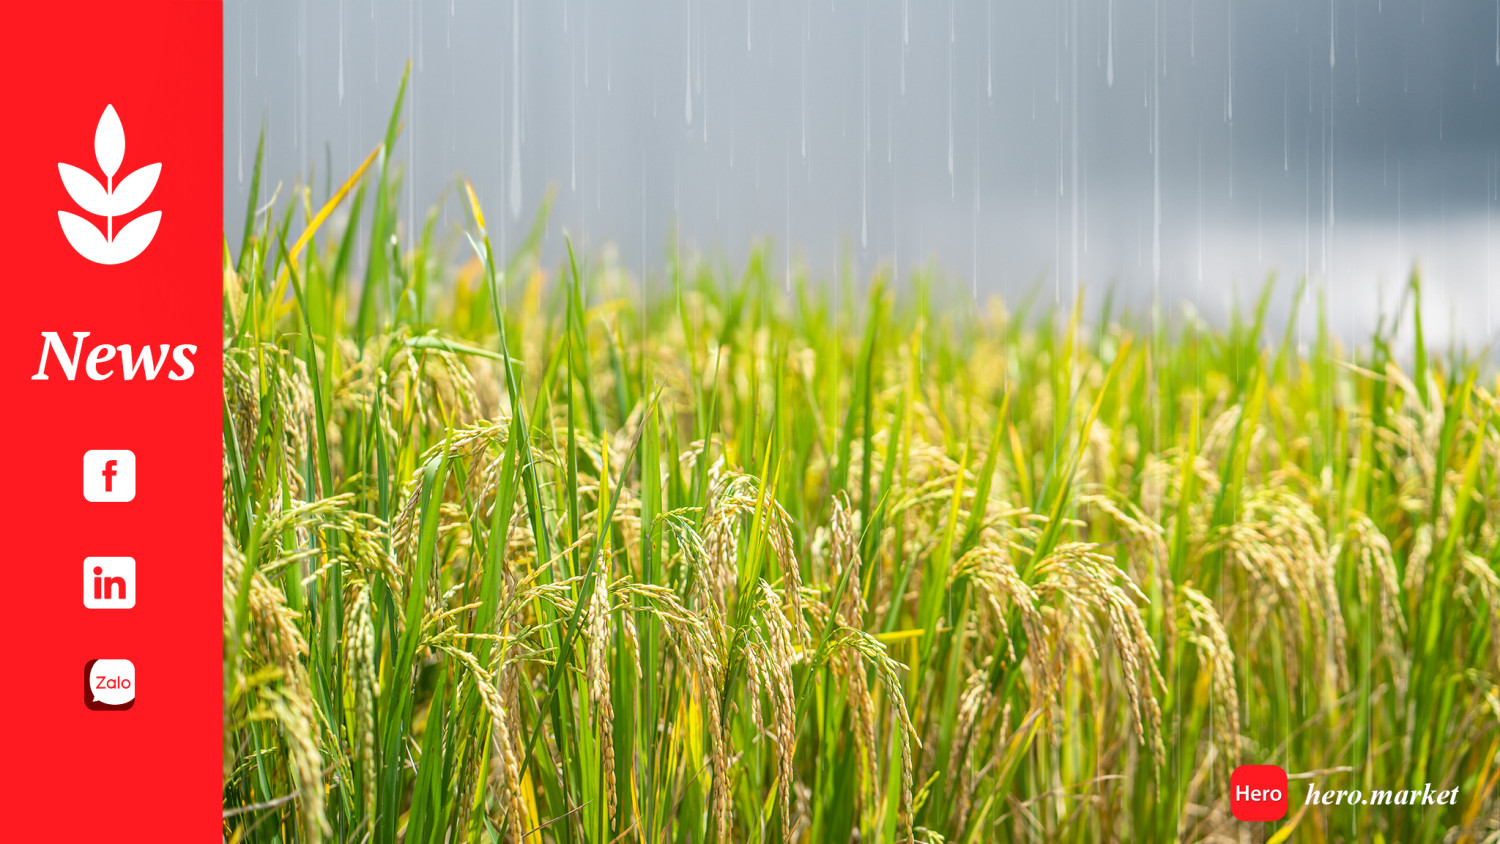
(517, 551)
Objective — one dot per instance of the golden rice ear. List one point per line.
(273, 648)
(1280, 544)
(1102, 598)
(600, 702)
(1205, 630)
(359, 656)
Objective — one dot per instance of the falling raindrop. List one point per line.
(864, 155)
(421, 41)
(864, 214)
(950, 120)
(687, 104)
(1156, 157)
(787, 210)
(1229, 57)
(1085, 202)
(902, 51)
(895, 225)
(890, 128)
(299, 123)
(1138, 250)
(1200, 206)
(974, 239)
(1333, 23)
(1357, 86)
(1073, 150)
(1109, 71)
(573, 121)
(1329, 165)
(804, 81)
(643, 221)
(239, 73)
(1285, 122)
(515, 109)
(1307, 206)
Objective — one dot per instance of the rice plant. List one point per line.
(517, 552)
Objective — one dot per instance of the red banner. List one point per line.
(112, 232)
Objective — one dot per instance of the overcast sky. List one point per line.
(1182, 148)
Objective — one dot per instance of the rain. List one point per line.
(1166, 184)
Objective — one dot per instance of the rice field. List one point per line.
(518, 551)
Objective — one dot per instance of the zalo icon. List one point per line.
(109, 684)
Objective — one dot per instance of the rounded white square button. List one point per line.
(109, 475)
(109, 583)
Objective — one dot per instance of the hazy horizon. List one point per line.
(1177, 151)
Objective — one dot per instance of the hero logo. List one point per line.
(109, 200)
(1258, 792)
(99, 365)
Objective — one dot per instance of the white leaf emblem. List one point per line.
(109, 142)
(109, 200)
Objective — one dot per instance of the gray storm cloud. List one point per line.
(1183, 149)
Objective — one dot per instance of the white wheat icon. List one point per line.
(109, 200)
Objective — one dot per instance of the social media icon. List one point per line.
(109, 583)
(109, 684)
(109, 475)
(1258, 792)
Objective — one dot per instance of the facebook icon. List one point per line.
(109, 475)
